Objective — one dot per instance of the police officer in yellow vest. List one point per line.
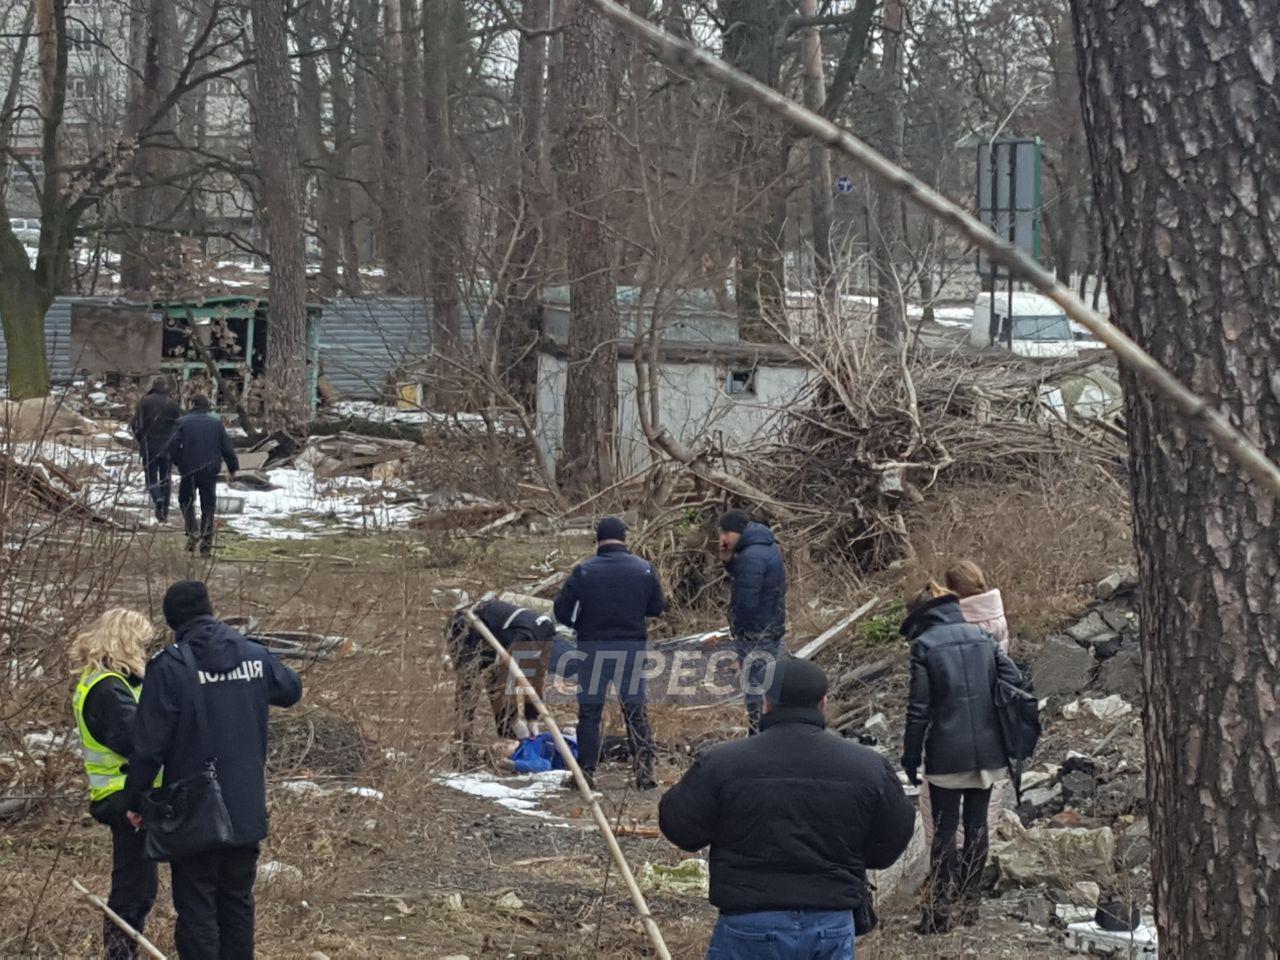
(111, 655)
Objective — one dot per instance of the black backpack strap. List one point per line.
(202, 715)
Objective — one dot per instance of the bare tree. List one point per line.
(275, 138)
(1180, 103)
(591, 396)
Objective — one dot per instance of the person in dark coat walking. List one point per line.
(952, 724)
(238, 679)
(152, 425)
(199, 446)
(527, 636)
(794, 817)
(606, 600)
(758, 604)
(111, 657)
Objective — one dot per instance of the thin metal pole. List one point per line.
(147, 946)
(1195, 410)
(570, 761)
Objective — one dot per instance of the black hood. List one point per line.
(755, 535)
(212, 643)
(945, 609)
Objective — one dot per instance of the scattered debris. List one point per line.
(813, 646)
(1108, 708)
(688, 878)
(274, 871)
(1091, 939)
(1057, 857)
(1062, 667)
(509, 902)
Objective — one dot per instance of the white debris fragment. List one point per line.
(1108, 708)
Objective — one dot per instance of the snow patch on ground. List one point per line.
(520, 794)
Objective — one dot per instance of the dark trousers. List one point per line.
(531, 657)
(757, 661)
(620, 664)
(957, 874)
(159, 469)
(133, 891)
(213, 895)
(206, 485)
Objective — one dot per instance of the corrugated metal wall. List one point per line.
(361, 340)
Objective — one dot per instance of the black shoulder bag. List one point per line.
(189, 817)
(1018, 713)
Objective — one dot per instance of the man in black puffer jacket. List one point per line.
(794, 817)
(952, 722)
(238, 679)
(152, 426)
(758, 604)
(607, 600)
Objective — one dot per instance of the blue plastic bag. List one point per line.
(539, 754)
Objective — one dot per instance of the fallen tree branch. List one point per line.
(1197, 411)
(570, 761)
(146, 945)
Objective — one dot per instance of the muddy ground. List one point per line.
(381, 876)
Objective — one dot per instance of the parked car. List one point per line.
(1038, 325)
(26, 230)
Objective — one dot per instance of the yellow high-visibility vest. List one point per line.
(105, 767)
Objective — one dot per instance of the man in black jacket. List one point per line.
(152, 426)
(527, 636)
(952, 722)
(794, 817)
(758, 605)
(606, 600)
(238, 679)
(199, 447)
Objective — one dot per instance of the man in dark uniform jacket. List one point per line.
(606, 600)
(199, 447)
(527, 637)
(238, 680)
(152, 426)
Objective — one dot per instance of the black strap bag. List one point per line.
(189, 817)
(1018, 713)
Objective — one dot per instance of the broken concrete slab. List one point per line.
(1042, 856)
(1091, 626)
(1122, 674)
(1061, 668)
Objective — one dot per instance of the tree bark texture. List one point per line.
(591, 399)
(887, 226)
(275, 130)
(751, 29)
(521, 224)
(1180, 102)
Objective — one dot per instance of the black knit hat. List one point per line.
(184, 601)
(734, 521)
(611, 528)
(797, 683)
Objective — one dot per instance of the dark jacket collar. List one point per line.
(945, 609)
(607, 548)
(810, 715)
(754, 535)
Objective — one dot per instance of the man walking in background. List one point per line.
(199, 447)
(237, 679)
(794, 818)
(758, 604)
(152, 425)
(606, 600)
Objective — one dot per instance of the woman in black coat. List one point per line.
(952, 724)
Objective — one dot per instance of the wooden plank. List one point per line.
(816, 644)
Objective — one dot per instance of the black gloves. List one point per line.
(911, 765)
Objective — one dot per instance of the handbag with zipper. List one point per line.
(188, 817)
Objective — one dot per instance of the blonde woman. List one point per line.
(111, 657)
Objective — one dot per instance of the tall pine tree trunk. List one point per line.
(1181, 99)
(887, 226)
(275, 131)
(591, 400)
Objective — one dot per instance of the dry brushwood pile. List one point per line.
(864, 442)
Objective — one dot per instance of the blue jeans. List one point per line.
(756, 660)
(619, 664)
(783, 935)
